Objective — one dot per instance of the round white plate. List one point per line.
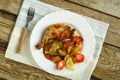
(62, 17)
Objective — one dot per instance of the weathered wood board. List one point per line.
(111, 7)
(108, 66)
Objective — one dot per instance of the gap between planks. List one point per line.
(100, 8)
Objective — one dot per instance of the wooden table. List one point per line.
(108, 66)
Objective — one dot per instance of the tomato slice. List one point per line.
(60, 65)
(78, 58)
(48, 57)
(76, 39)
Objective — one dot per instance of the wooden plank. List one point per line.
(8, 16)
(108, 66)
(6, 27)
(10, 70)
(111, 7)
(11, 6)
(3, 79)
(114, 22)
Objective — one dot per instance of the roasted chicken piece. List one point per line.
(58, 31)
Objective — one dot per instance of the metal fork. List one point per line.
(30, 16)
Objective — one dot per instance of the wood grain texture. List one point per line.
(113, 35)
(6, 27)
(3, 79)
(12, 70)
(111, 7)
(11, 6)
(108, 66)
(8, 16)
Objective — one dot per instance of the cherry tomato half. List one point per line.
(76, 39)
(78, 58)
(60, 65)
(48, 57)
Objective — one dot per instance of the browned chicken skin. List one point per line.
(58, 31)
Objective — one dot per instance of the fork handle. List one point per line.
(22, 39)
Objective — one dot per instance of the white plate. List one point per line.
(62, 17)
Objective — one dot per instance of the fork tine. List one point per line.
(28, 12)
(31, 12)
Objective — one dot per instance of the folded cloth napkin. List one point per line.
(99, 28)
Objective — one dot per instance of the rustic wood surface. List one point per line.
(111, 7)
(108, 66)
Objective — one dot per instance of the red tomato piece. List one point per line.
(60, 65)
(78, 58)
(76, 39)
(48, 57)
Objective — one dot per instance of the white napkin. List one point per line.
(42, 9)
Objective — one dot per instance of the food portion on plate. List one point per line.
(62, 44)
